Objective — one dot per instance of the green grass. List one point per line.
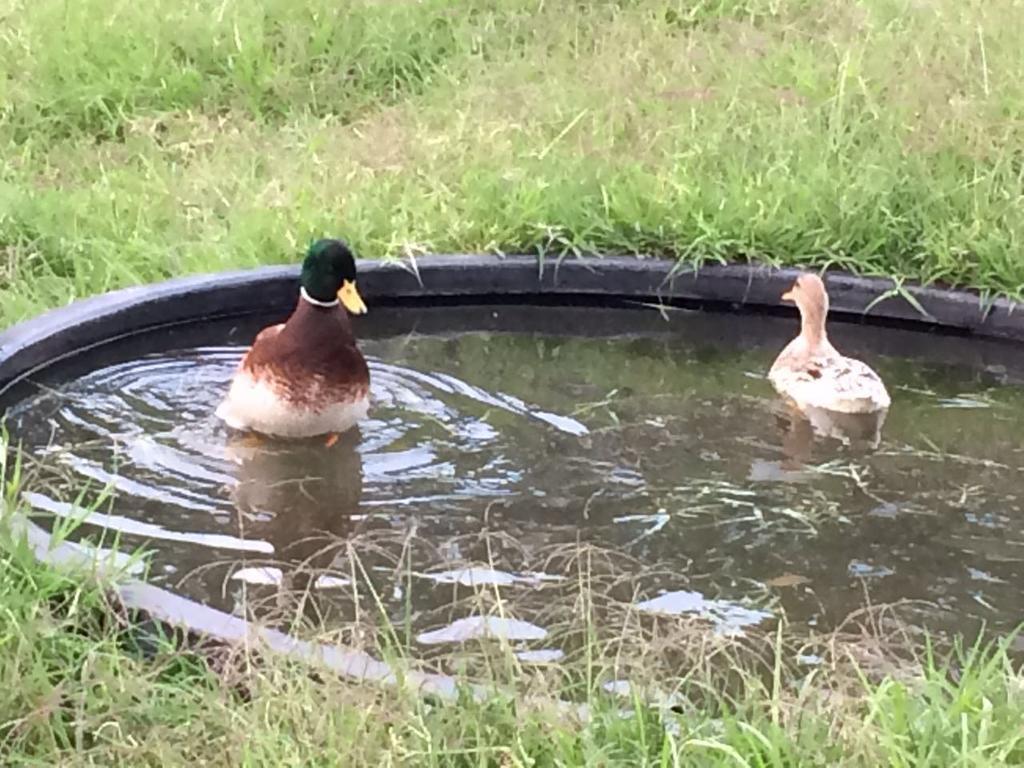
(147, 141)
(142, 141)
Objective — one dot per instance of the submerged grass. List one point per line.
(94, 689)
(95, 685)
(144, 141)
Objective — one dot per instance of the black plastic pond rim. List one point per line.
(481, 279)
(477, 279)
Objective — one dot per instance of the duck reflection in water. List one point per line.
(803, 430)
(856, 430)
(300, 498)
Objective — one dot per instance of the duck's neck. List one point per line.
(321, 326)
(812, 327)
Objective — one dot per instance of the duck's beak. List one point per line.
(788, 296)
(349, 296)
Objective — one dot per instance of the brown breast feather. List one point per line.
(313, 358)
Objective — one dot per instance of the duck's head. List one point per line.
(329, 275)
(810, 296)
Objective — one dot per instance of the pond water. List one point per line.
(511, 449)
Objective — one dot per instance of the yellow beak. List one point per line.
(349, 296)
(788, 296)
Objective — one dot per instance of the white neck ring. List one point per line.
(316, 302)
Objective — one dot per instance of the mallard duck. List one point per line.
(306, 377)
(811, 373)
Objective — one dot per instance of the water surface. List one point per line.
(492, 456)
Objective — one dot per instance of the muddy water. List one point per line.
(493, 457)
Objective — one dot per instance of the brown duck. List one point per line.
(306, 377)
(811, 373)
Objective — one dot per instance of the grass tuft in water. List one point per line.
(99, 686)
(88, 693)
